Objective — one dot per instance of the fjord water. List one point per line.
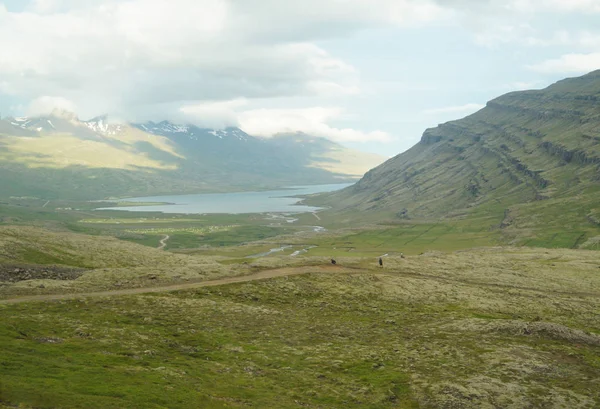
(280, 201)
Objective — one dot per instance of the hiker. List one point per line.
(380, 262)
(333, 262)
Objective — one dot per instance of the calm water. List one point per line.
(281, 201)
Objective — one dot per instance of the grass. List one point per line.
(548, 223)
(409, 239)
(496, 326)
(467, 329)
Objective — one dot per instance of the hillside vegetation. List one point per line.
(37, 261)
(528, 164)
(491, 328)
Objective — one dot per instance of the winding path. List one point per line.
(266, 274)
(163, 242)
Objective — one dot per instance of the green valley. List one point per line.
(487, 295)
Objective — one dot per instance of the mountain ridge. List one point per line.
(528, 160)
(59, 154)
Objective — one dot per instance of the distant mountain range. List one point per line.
(528, 161)
(60, 155)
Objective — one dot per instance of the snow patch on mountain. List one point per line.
(166, 128)
(102, 126)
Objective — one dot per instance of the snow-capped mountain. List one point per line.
(167, 128)
(33, 124)
(163, 128)
(62, 121)
(101, 157)
(101, 125)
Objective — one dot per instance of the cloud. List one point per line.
(586, 6)
(46, 105)
(118, 55)
(313, 121)
(176, 59)
(569, 63)
(523, 6)
(218, 115)
(460, 109)
(266, 123)
(528, 23)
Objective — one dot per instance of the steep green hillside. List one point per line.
(526, 163)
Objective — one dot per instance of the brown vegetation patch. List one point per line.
(13, 273)
(522, 328)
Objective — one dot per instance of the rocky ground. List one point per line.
(12, 273)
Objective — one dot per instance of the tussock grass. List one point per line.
(484, 328)
(110, 263)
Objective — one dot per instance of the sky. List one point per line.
(370, 74)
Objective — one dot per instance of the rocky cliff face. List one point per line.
(523, 147)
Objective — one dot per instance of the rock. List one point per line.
(15, 273)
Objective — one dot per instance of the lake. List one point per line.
(272, 201)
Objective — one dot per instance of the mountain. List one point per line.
(528, 159)
(325, 154)
(60, 155)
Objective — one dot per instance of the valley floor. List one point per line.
(101, 310)
(483, 328)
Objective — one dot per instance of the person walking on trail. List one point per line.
(380, 262)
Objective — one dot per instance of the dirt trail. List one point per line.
(316, 215)
(280, 272)
(163, 242)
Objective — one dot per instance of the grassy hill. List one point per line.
(527, 165)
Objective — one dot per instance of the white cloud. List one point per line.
(569, 63)
(219, 60)
(46, 104)
(523, 6)
(528, 23)
(313, 121)
(587, 6)
(116, 55)
(218, 115)
(266, 123)
(460, 109)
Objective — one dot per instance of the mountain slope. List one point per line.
(325, 154)
(527, 159)
(62, 156)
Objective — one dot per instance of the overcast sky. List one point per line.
(372, 74)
